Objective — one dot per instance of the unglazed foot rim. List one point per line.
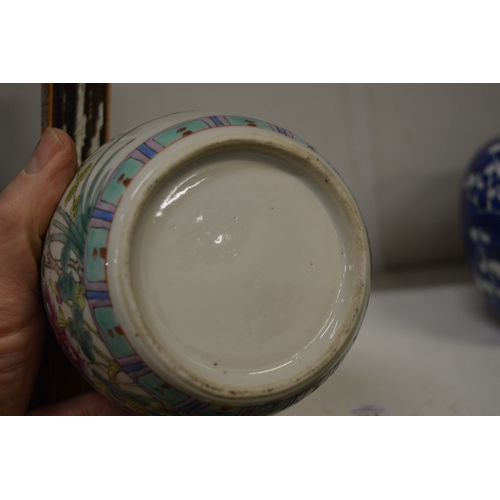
(205, 364)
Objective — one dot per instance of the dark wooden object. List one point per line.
(81, 110)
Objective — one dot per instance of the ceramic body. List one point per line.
(206, 264)
(480, 209)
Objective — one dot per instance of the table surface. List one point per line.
(429, 345)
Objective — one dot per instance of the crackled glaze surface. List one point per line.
(76, 276)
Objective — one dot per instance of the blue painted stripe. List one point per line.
(97, 295)
(216, 121)
(134, 367)
(101, 214)
(190, 407)
(281, 130)
(146, 150)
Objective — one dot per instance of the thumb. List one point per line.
(28, 203)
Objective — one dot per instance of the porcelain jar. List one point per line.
(206, 264)
(480, 218)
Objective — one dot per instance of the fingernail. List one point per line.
(50, 143)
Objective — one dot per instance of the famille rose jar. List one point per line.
(206, 264)
(480, 217)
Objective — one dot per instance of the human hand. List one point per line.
(26, 208)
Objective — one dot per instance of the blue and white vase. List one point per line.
(480, 206)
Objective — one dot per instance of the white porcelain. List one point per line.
(221, 266)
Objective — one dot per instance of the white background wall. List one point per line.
(402, 149)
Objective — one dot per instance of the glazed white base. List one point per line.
(237, 265)
(241, 279)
